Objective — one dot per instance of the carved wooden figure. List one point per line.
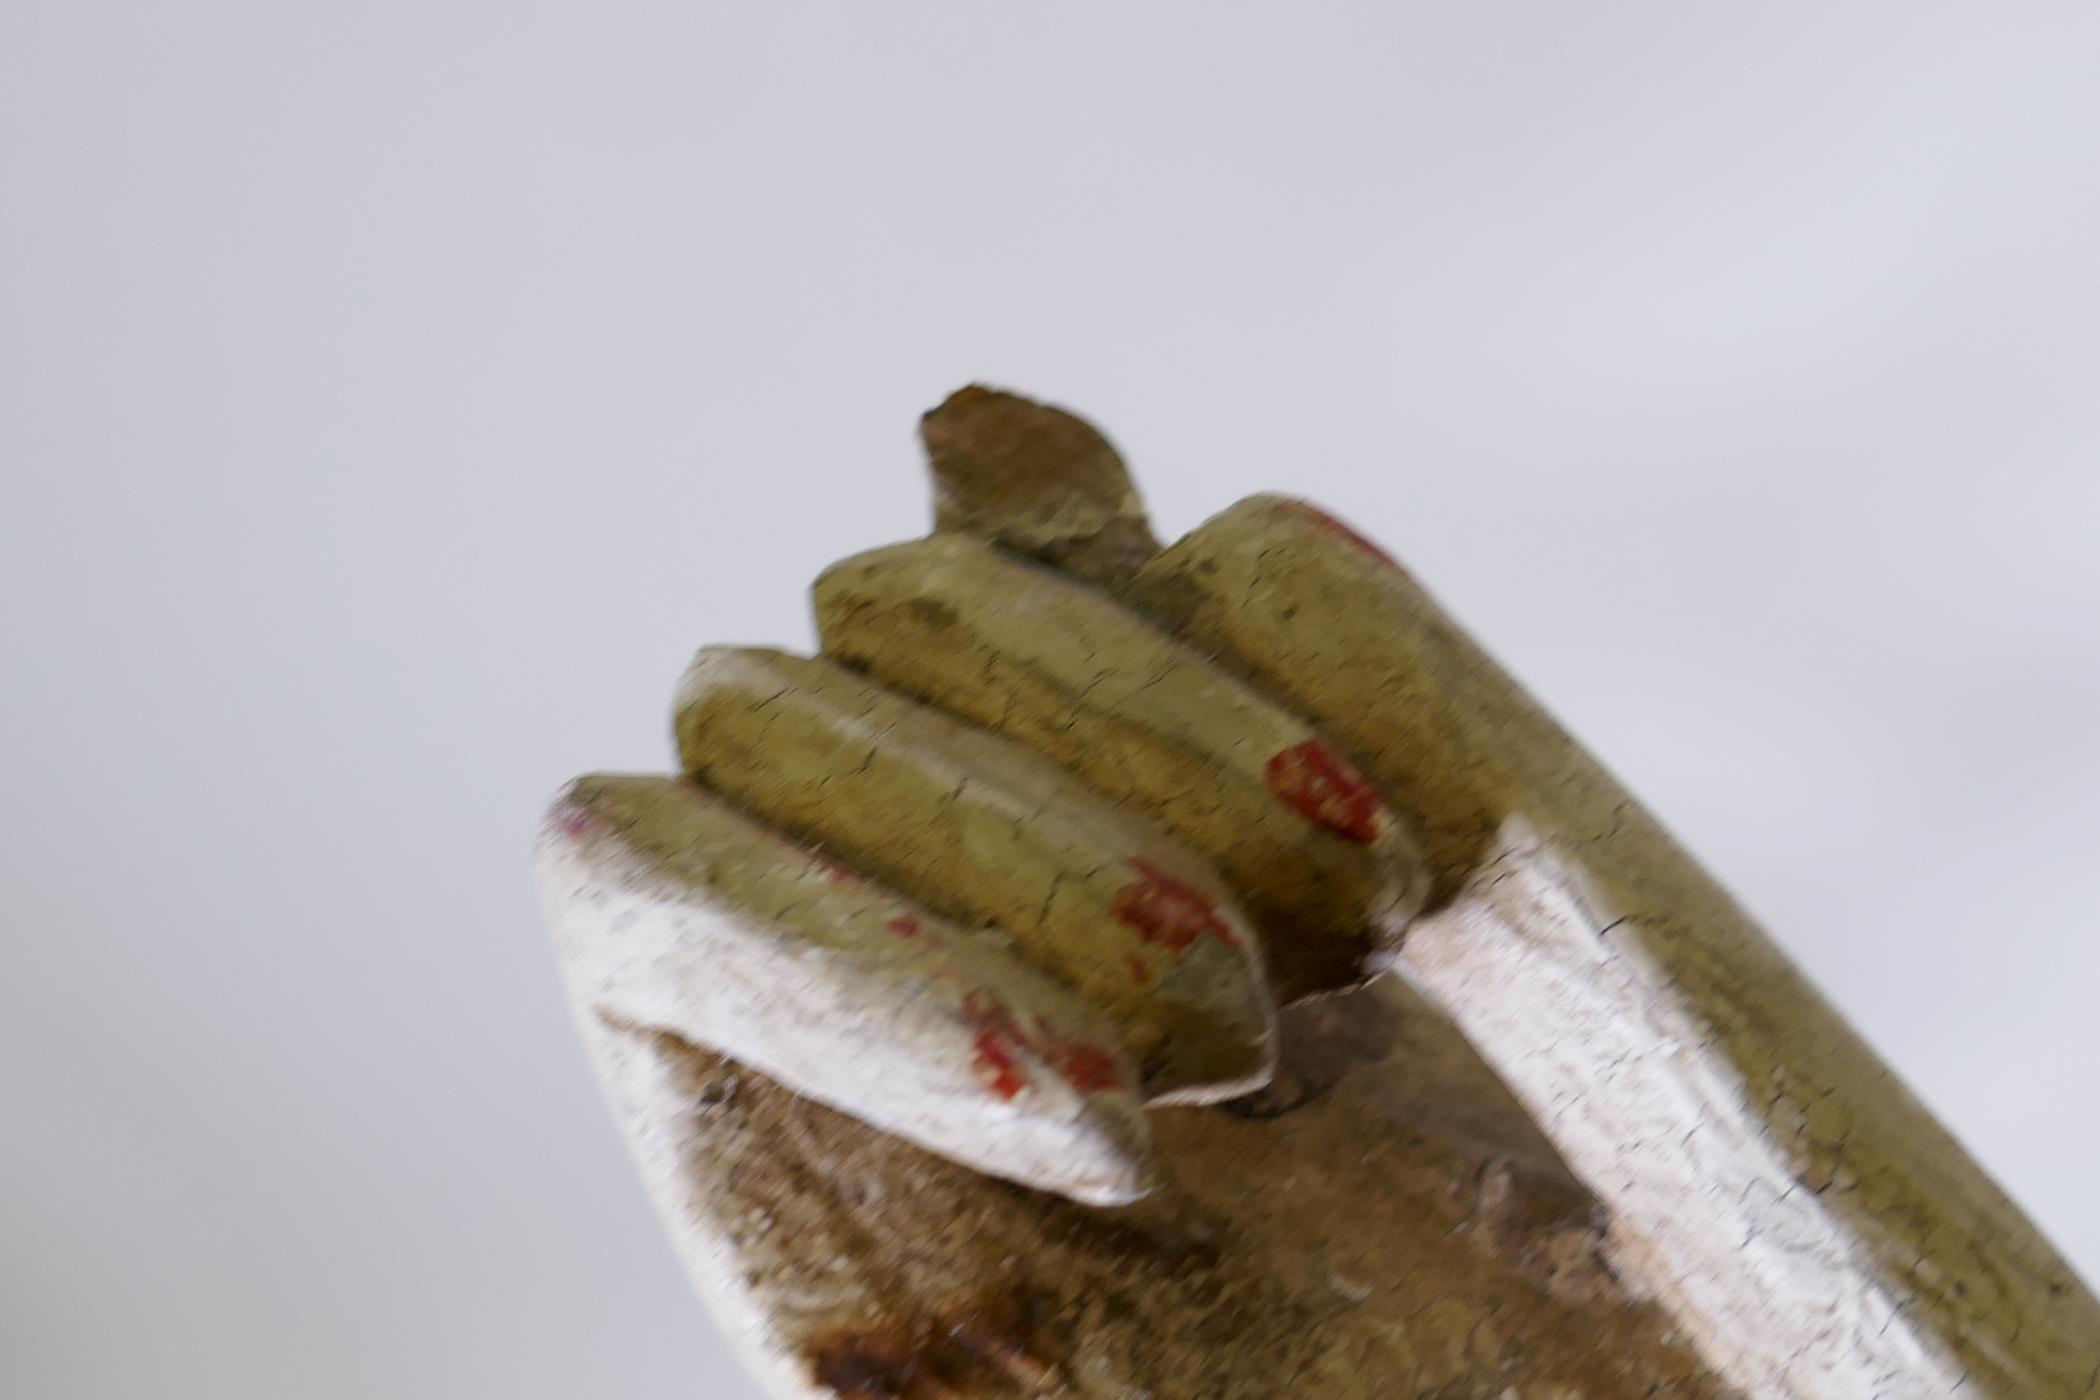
(1200, 973)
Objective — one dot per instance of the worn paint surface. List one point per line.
(1169, 912)
(1062, 669)
(1324, 788)
(986, 833)
(674, 911)
(1822, 1236)
(1383, 1223)
(1690, 1179)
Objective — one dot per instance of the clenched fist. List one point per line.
(1200, 973)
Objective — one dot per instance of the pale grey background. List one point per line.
(394, 393)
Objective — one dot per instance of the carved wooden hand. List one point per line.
(1200, 973)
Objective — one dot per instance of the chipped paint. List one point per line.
(1320, 785)
(1001, 1043)
(1169, 912)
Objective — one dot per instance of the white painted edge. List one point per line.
(1777, 1293)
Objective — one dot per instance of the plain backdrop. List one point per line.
(393, 394)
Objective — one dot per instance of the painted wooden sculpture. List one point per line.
(1200, 973)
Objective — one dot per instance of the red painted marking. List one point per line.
(1341, 531)
(996, 1068)
(999, 1043)
(904, 926)
(1086, 1067)
(575, 819)
(1320, 786)
(1168, 911)
(1139, 973)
